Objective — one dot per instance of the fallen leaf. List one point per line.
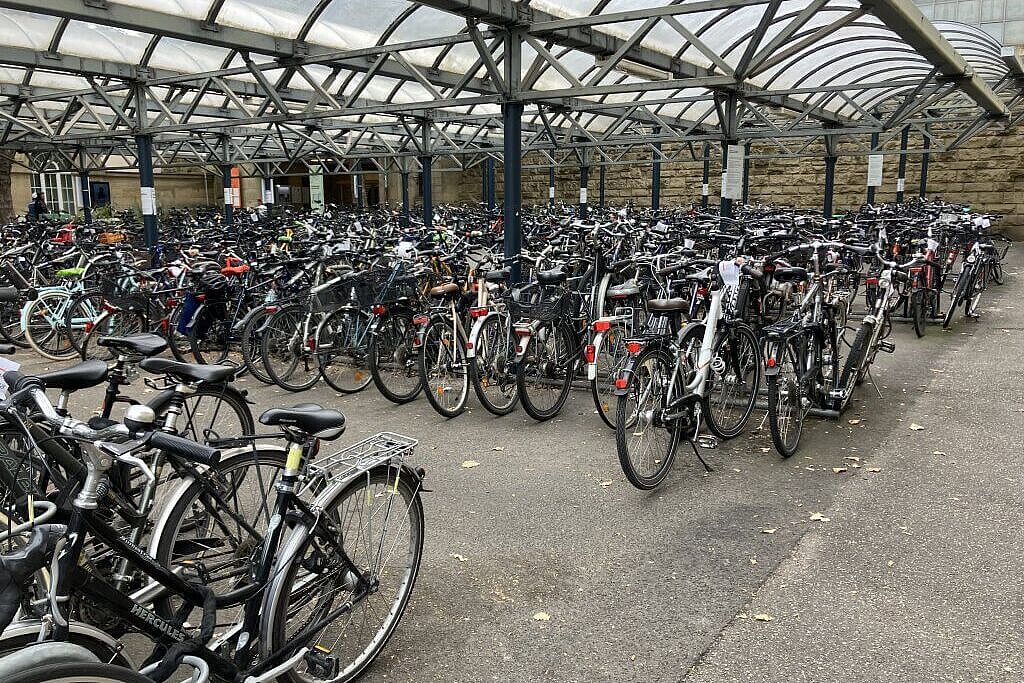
(890, 563)
(769, 531)
(469, 463)
(763, 617)
(606, 482)
(498, 448)
(938, 452)
(855, 422)
(460, 558)
(542, 616)
(818, 517)
(916, 427)
(873, 469)
(753, 560)
(854, 458)
(839, 470)
(765, 450)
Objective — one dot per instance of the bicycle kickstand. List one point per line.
(873, 383)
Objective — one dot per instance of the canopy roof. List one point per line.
(359, 82)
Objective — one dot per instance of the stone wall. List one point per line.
(987, 172)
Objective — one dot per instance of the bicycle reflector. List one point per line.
(591, 352)
(702, 291)
(634, 347)
(770, 362)
(768, 268)
(379, 309)
(602, 325)
(621, 382)
(524, 331)
(420, 319)
(477, 312)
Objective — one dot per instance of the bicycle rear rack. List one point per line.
(375, 450)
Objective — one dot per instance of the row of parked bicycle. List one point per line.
(255, 557)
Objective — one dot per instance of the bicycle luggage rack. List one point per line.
(359, 457)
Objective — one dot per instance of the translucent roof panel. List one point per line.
(24, 29)
(104, 42)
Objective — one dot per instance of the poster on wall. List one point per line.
(874, 170)
(316, 189)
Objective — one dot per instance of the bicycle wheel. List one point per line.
(856, 365)
(444, 370)
(611, 358)
(81, 319)
(959, 295)
(342, 342)
(45, 331)
(978, 286)
(785, 403)
(494, 382)
(918, 312)
(212, 339)
(646, 445)
(78, 672)
(393, 358)
(286, 354)
(378, 517)
(252, 340)
(544, 375)
(211, 413)
(119, 323)
(731, 388)
(214, 527)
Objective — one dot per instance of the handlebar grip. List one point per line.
(16, 380)
(189, 450)
(7, 349)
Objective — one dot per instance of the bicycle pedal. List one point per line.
(707, 441)
(886, 346)
(322, 663)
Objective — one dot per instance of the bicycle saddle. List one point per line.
(444, 290)
(142, 344)
(667, 305)
(552, 277)
(191, 372)
(623, 291)
(497, 276)
(82, 376)
(308, 418)
(791, 274)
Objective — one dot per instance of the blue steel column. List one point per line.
(871, 188)
(901, 174)
(427, 190)
(83, 183)
(923, 189)
(600, 186)
(551, 186)
(406, 218)
(144, 146)
(490, 185)
(704, 188)
(512, 129)
(656, 174)
(830, 185)
(584, 179)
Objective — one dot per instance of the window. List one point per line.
(60, 189)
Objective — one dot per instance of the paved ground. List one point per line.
(910, 572)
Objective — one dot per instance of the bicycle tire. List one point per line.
(917, 312)
(397, 484)
(350, 359)
(640, 384)
(38, 335)
(441, 329)
(856, 364)
(252, 338)
(79, 672)
(492, 364)
(750, 360)
(786, 440)
(958, 295)
(392, 343)
(281, 341)
(563, 337)
(603, 393)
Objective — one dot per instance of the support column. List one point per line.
(923, 189)
(901, 174)
(725, 206)
(551, 186)
(600, 186)
(490, 185)
(830, 185)
(229, 199)
(656, 174)
(705, 188)
(406, 218)
(746, 173)
(267, 186)
(427, 191)
(83, 184)
(512, 129)
(144, 146)
(871, 188)
(584, 179)
(483, 182)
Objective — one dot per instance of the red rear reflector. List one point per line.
(591, 353)
(311, 343)
(621, 383)
(469, 346)
(88, 327)
(634, 347)
(420, 319)
(770, 362)
(271, 309)
(872, 281)
(201, 297)
(523, 331)
(702, 291)
(602, 325)
(768, 267)
(379, 309)
(477, 312)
